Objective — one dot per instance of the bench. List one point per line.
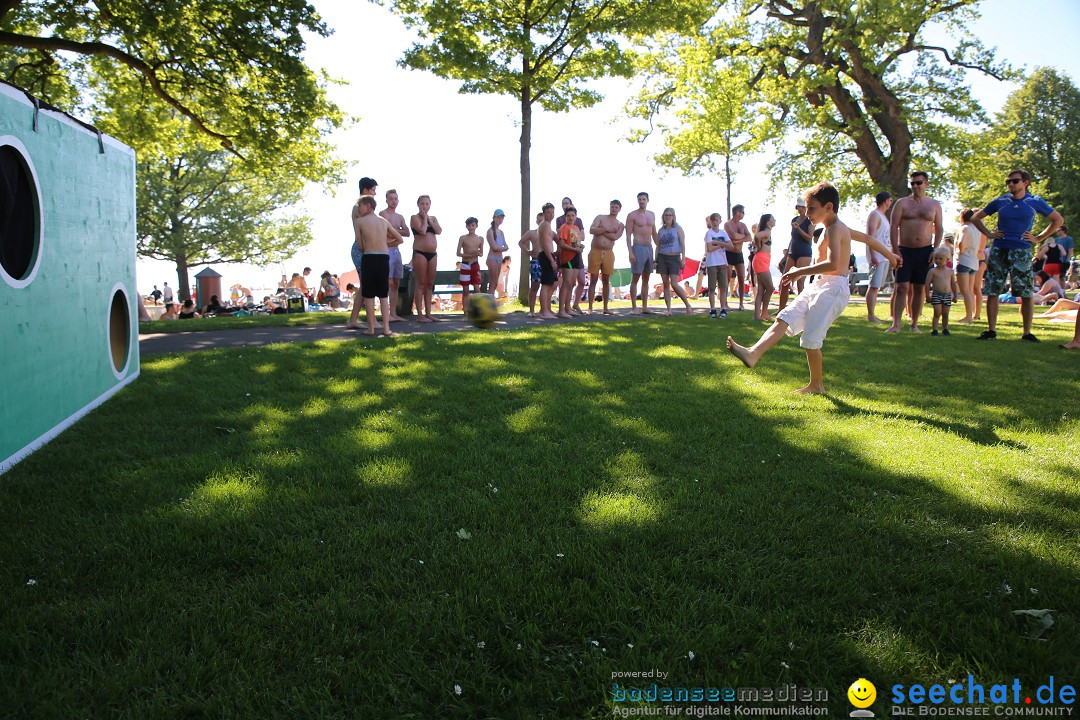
(443, 278)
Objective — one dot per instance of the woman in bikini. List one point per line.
(496, 247)
(760, 266)
(425, 229)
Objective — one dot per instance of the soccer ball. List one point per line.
(483, 312)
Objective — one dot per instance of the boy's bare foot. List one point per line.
(647, 312)
(565, 315)
(532, 314)
(608, 312)
(892, 329)
(1072, 345)
(353, 326)
(369, 332)
(432, 318)
(874, 320)
(741, 352)
(548, 316)
(915, 329)
(424, 319)
(389, 333)
(666, 313)
(964, 321)
(810, 390)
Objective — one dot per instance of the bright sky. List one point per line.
(417, 134)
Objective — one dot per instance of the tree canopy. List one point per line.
(538, 53)
(206, 206)
(227, 121)
(713, 120)
(1037, 130)
(855, 90)
(234, 69)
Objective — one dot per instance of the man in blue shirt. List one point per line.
(1011, 254)
(1065, 242)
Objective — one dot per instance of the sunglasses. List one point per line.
(918, 182)
(1013, 181)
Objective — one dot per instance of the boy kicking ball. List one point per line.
(815, 309)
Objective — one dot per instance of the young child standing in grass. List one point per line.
(939, 283)
(814, 310)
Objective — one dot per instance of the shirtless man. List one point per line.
(374, 237)
(916, 230)
(737, 233)
(397, 269)
(640, 236)
(530, 245)
(605, 229)
(368, 187)
(469, 248)
(546, 256)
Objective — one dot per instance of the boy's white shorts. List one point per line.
(815, 309)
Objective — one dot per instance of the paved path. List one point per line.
(164, 343)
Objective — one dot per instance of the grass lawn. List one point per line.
(352, 529)
(250, 321)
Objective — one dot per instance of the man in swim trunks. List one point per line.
(916, 230)
(640, 236)
(605, 229)
(368, 188)
(530, 246)
(469, 248)
(1010, 258)
(397, 268)
(799, 250)
(737, 233)
(546, 258)
(374, 236)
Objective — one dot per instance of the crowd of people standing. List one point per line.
(974, 262)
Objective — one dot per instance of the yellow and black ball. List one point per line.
(483, 312)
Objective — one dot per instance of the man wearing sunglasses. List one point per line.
(917, 229)
(1010, 257)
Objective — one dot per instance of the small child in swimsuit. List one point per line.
(939, 283)
(468, 249)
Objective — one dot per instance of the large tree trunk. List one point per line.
(526, 189)
(184, 283)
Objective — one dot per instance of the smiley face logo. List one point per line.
(862, 693)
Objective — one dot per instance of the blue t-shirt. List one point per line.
(1016, 217)
(1066, 243)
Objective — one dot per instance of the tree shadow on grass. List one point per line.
(623, 486)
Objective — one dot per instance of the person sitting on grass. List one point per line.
(187, 312)
(939, 283)
(1049, 290)
(815, 309)
(215, 307)
(170, 312)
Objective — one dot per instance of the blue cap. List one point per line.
(498, 213)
